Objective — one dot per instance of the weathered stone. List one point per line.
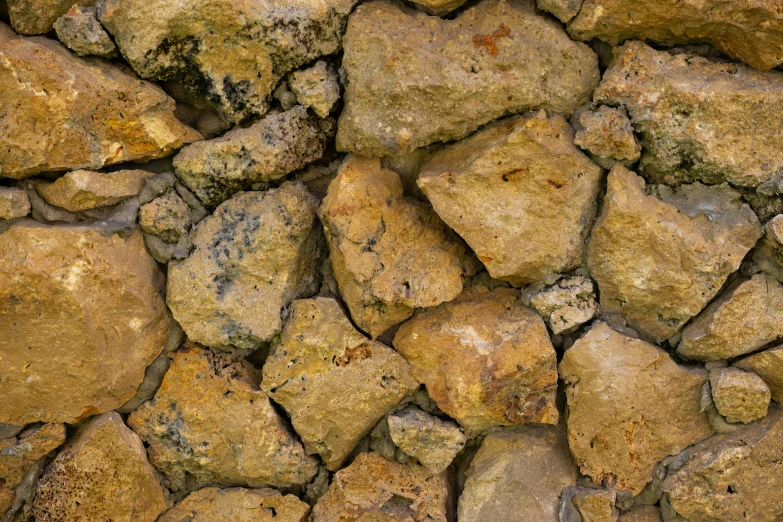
(373, 488)
(84, 190)
(769, 366)
(769, 254)
(485, 359)
(642, 514)
(659, 261)
(608, 134)
(210, 424)
(82, 33)
(595, 505)
(237, 505)
(390, 254)
(438, 7)
(564, 10)
(317, 87)
(102, 474)
(434, 442)
(737, 476)
(14, 203)
(73, 113)
(82, 317)
(698, 119)
(275, 146)
(38, 16)
(334, 382)
(518, 475)
(567, 304)
(415, 79)
(629, 406)
(167, 217)
(231, 52)
(739, 396)
(513, 183)
(254, 256)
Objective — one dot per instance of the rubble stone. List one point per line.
(316, 87)
(38, 16)
(438, 7)
(595, 505)
(237, 505)
(82, 33)
(84, 190)
(739, 396)
(564, 10)
(769, 254)
(14, 203)
(434, 442)
(567, 304)
(607, 133)
(167, 216)
(642, 514)
(769, 366)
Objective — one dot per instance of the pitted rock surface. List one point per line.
(85, 190)
(768, 365)
(237, 505)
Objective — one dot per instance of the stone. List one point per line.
(485, 359)
(567, 304)
(608, 134)
(735, 476)
(564, 10)
(629, 406)
(415, 79)
(82, 316)
(14, 203)
(595, 505)
(658, 261)
(518, 475)
(698, 119)
(230, 52)
(38, 16)
(210, 424)
(642, 514)
(254, 256)
(739, 396)
(93, 113)
(317, 87)
(373, 488)
(749, 31)
(101, 474)
(434, 442)
(769, 366)
(167, 216)
(334, 383)
(438, 7)
(515, 182)
(82, 33)
(769, 254)
(237, 505)
(84, 190)
(390, 253)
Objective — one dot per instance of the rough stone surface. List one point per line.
(14, 203)
(642, 514)
(607, 133)
(769, 366)
(38, 16)
(82, 33)
(769, 254)
(434, 442)
(84, 190)
(659, 260)
(485, 359)
(415, 79)
(252, 257)
(237, 505)
(334, 382)
(739, 396)
(564, 10)
(92, 114)
(513, 183)
(438, 7)
(102, 474)
(629, 406)
(82, 317)
(595, 505)
(390, 254)
(567, 304)
(167, 217)
(317, 87)
(210, 424)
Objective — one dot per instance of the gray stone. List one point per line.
(567, 304)
(14, 203)
(82, 33)
(317, 87)
(434, 442)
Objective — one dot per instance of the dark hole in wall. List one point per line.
(4, 11)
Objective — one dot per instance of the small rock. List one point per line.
(642, 514)
(564, 10)
(608, 134)
(432, 441)
(567, 304)
(438, 7)
(38, 16)
(14, 203)
(769, 254)
(82, 33)
(739, 396)
(769, 366)
(237, 505)
(167, 217)
(317, 88)
(594, 505)
(84, 190)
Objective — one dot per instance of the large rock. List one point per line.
(415, 79)
(432, 441)
(252, 257)
(237, 505)
(84, 190)
(629, 406)
(739, 396)
(698, 119)
(210, 424)
(73, 113)
(390, 253)
(518, 475)
(82, 316)
(14, 203)
(334, 382)
(520, 181)
(485, 359)
(38, 16)
(769, 366)
(659, 260)
(231, 52)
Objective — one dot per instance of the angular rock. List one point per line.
(629, 406)
(769, 366)
(438, 7)
(82, 33)
(564, 10)
(237, 505)
(167, 217)
(14, 203)
(38, 16)
(72, 113)
(317, 88)
(82, 316)
(415, 79)
(593, 505)
(769, 254)
(642, 514)
(514, 183)
(102, 474)
(432, 441)
(390, 254)
(659, 260)
(485, 359)
(739, 396)
(334, 382)
(84, 190)
(518, 475)
(210, 424)
(254, 256)
(608, 134)
(567, 304)
(268, 150)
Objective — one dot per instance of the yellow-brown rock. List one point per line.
(565, 305)
(769, 254)
(38, 16)
(629, 406)
(334, 383)
(14, 203)
(237, 505)
(769, 366)
(81, 316)
(520, 193)
(432, 441)
(642, 514)
(485, 359)
(84, 190)
(596, 505)
(739, 396)
(167, 216)
(439, 7)
(564, 10)
(607, 133)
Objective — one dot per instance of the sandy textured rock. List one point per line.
(518, 475)
(84, 190)
(698, 119)
(167, 217)
(642, 514)
(659, 260)
(607, 133)
(82, 33)
(237, 505)
(415, 79)
(268, 150)
(485, 359)
(739, 396)
(564, 10)
(73, 113)
(438, 7)
(252, 257)
(769, 366)
(82, 317)
(230, 52)
(769, 254)
(14, 203)
(373, 488)
(629, 405)
(515, 183)
(317, 87)
(738, 476)
(434, 442)
(102, 474)
(38, 16)
(567, 304)
(390, 254)
(334, 382)
(595, 505)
